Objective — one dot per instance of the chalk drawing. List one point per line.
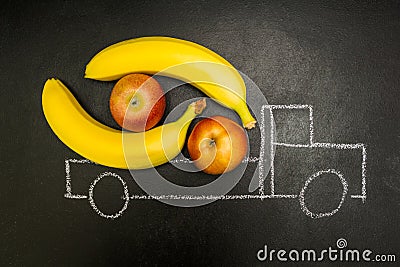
(68, 185)
(312, 144)
(221, 197)
(312, 178)
(261, 192)
(262, 151)
(126, 195)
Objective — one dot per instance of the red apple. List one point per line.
(217, 145)
(137, 102)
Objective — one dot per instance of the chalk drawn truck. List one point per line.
(351, 179)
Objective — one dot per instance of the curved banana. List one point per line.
(107, 146)
(179, 59)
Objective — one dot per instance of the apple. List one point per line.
(137, 102)
(217, 145)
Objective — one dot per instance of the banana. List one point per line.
(107, 146)
(179, 59)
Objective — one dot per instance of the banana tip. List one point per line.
(199, 105)
(50, 80)
(250, 125)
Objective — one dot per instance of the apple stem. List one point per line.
(212, 142)
(134, 101)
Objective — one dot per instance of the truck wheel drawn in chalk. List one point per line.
(361, 188)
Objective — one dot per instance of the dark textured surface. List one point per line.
(343, 58)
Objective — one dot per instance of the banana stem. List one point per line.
(248, 121)
(192, 111)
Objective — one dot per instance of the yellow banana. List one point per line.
(179, 59)
(107, 146)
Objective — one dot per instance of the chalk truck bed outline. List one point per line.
(261, 194)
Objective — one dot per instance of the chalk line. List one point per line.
(291, 106)
(272, 162)
(323, 145)
(262, 151)
(311, 119)
(364, 174)
(188, 161)
(208, 197)
(68, 185)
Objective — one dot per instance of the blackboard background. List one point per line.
(343, 58)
